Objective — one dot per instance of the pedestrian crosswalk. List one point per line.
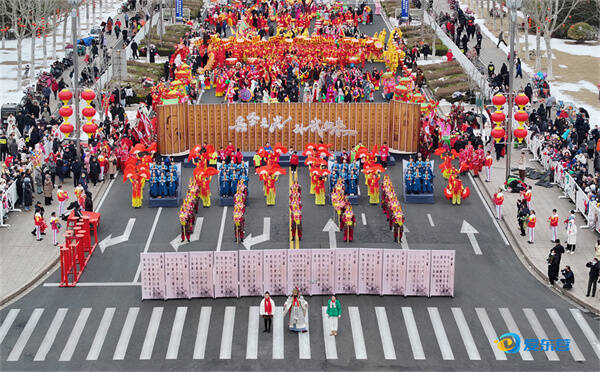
(235, 332)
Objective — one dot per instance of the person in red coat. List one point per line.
(498, 201)
(294, 160)
(384, 153)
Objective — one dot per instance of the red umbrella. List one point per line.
(308, 152)
(137, 148)
(324, 172)
(152, 148)
(261, 171)
(277, 170)
(373, 168)
(194, 152)
(312, 160)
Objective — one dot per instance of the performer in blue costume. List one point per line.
(153, 185)
(417, 184)
(353, 183)
(172, 184)
(162, 186)
(408, 181)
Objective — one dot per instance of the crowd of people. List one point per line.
(230, 174)
(164, 180)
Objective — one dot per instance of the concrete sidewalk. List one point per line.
(544, 200)
(24, 260)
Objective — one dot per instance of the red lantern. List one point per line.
(66, 129)
(498, 133)
(521, 100)
(498, 117)
(520, 133)
(65, 95)
(88, 112)
(498, 100)
(521, 116)
(88, 95)
(65, 111)
(89, 128)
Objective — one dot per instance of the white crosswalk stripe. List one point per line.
(96, 347)
(440, 333)
(176, 332)
(490, 333)
(512, 327)
(227, 334)
(304, 342)
(7, 323)
(31, 337)
(16, 351)
(413, 333)
(151, 333)
(564, 333)
(587, 331)
(360, 350)
(278, 332)
(252, 340)
(465, 334)
(329, 340)
(539, 332)
(202, 332)
(126, 331)
(73, 340)
(389, 351)
(50, 335)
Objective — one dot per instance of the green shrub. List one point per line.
(581, 32)
(441, 50)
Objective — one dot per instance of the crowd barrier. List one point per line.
(313, 271)
(9, 199)
(562, 178)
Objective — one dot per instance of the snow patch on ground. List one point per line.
(8, 55)
(563, 66)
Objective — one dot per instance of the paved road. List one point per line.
(55, 328)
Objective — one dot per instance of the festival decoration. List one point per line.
(137, 171)
(521, 117)
(65, 111)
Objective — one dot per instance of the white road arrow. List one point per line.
(109, 240)
(176, 243)
(331, 228)
(470, 231)
(403, 242)
(250, 240)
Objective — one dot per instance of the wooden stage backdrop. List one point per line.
(251, 125)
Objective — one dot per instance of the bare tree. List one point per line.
(549, 16)
(19, 10)
(3, 24)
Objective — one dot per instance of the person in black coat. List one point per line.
(94, 170)
(27, 192)
(76, 169)
(89, 203)
(553, 265)
(568, 278)
(594, 266)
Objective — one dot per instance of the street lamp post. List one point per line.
(74, 5)
(512, 5)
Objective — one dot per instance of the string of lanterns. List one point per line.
(66, 111)
(498, 117)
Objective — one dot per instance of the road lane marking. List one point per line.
(587, 331)
(330, 347)
(227, 334)
(304, 342)
(413, 333)
(564, 333)
(151, 333)
(17, 349)
(512, 327)
(389, 351)
(7, 323)
(465, 334)
(487, 208)
(50, 336)
(99, 205)
(539, 332)
(126, 331)
(490, 333)
(222, 229)
(148, 241)
(360, 350)
(252, 339)
(176, 332)
(98, 284)
(364, 219)
(440, 333)
(278, 332)
(430, 220)
(202, 333)
(73, 339)
(96, 347)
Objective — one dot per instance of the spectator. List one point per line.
(594, 266)
(568, 278)
(134, 50)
